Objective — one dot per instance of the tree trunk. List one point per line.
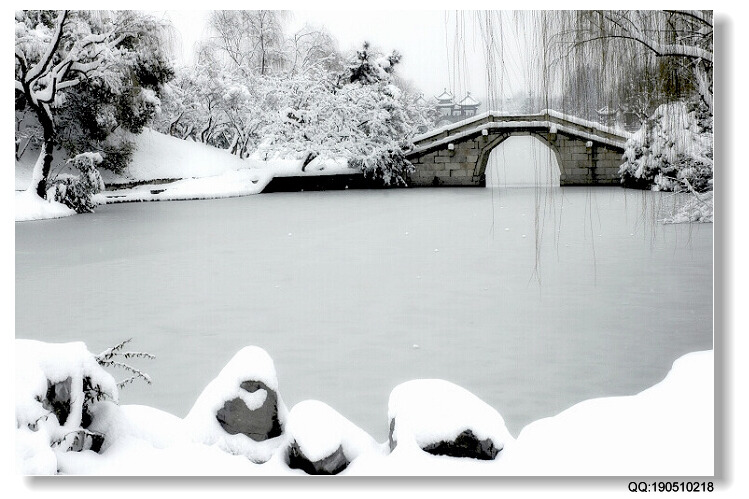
(44, 163)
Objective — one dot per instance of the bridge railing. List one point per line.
(544, 118)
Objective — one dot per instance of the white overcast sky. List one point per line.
(425, 38)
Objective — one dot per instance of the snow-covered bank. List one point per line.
(165, 168)
(29, 206)
(664, 430)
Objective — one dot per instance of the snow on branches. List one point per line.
(85, 74)
(357, 114)
(110, 356)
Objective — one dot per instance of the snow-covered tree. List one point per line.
(252, 40)
(312, 48)
(673, 151)
(360, 115)
(85, 75)
(385, 128)
(684, 38)
(368, 67)
(315, 106)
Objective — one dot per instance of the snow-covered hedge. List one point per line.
(673, 151)
(68, 422)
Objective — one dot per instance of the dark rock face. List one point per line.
(259, 424)
(465, 445)
(86, 440)
(330, 465)
(57, 399)
(392, 441)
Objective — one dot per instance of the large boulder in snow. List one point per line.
(241, 410)
(322, 442)
(259, 422)
(444, 419)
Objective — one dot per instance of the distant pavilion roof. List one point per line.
(445, 97)
(469, 101)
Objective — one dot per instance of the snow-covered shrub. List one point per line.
(78, 192)
(695, 207)
(59, 388)
(673, 151)
(387, 167)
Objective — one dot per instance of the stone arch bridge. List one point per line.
(456, 155)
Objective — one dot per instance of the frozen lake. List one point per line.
(533, 299)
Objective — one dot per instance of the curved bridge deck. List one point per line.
(587, 153)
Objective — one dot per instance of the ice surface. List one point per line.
(531, 326)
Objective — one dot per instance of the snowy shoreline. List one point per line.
(666, 430)
(195, 171)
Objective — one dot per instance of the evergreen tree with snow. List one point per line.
(384, 129)
(90, 78)
(369, 68)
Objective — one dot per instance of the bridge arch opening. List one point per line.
(522, 161)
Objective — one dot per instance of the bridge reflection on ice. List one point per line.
(522, 162)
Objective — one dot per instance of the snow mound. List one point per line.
(428, 411)
(143, 441)
(29, 206)
(666, 430)
(229, 184)
(319, 431)
(249, 364)
(160, 156)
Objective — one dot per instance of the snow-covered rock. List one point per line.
(322, 441)
(666, 430)
(58, 390)
(241, 410)
(444, 419)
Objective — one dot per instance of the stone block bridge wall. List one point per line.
(459, 157)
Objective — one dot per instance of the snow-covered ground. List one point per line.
(172, 169)
(666, 430)
(29, 206)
